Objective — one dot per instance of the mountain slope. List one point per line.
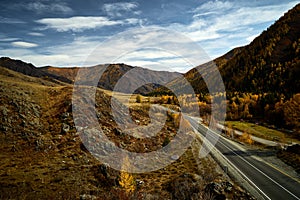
(29, 69)
(194, 77)
(271, 63)
(268, 64)
(113, 73)
(43, 155)
(110, 76)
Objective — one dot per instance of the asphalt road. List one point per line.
(268, 181)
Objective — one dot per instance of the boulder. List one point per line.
(174, 157)
(65, 128)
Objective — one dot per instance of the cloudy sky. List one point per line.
(65, 32)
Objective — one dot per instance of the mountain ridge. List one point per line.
(110, 76)
(270, 63)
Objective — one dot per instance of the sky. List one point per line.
(64, 33)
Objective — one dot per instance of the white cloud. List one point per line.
(221, 25)
(80, 23)
(169, 50)
(215, 33)
(149, 54)
(39, 7)
(37, 59)
(212, 6)
(77, 52)
(249, 16)
(36, 34)
(154, 59)
(44, 60)
(5, 20)
(8, 39)
(24, 44)
(69, 54)
(27, 55)
(118, 9)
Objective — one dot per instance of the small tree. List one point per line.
(127, 181)
(246, 138)
(229, 130)
(138, 99)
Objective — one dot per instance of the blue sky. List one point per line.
(64, 32)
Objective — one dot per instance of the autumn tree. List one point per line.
(138, 99)
(126, 180)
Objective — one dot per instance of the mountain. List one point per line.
(271, 63)
(111, 74)
(29, 69)
(261, 79)
(43, 152)
(194, 77)
(268, 64)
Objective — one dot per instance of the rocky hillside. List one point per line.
(30, 70)
(43, 157)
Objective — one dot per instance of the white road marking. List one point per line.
(231, 150)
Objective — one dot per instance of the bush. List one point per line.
(138, 99)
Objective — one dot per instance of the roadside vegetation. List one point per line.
(261, 131)
(266, 116)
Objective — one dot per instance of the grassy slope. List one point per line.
(261, 131)
(38, 161)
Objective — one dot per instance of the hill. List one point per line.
(29, 69)
(108, 80)
(261, 79)
(268, 64)
(271, 63)
(112, 75)
(43, 155)
(193, 76)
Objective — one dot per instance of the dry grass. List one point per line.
(40, 162)
(261, 131)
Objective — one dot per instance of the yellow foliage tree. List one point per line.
(246, 137)
(126, 179)
(138, 99)
(229, 130)
(176, 118)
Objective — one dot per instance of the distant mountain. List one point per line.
(111, 74)
(29, 69)
(68, 73)
(271, 63)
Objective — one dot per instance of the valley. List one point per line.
(116, 131)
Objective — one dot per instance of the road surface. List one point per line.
(268, 181)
